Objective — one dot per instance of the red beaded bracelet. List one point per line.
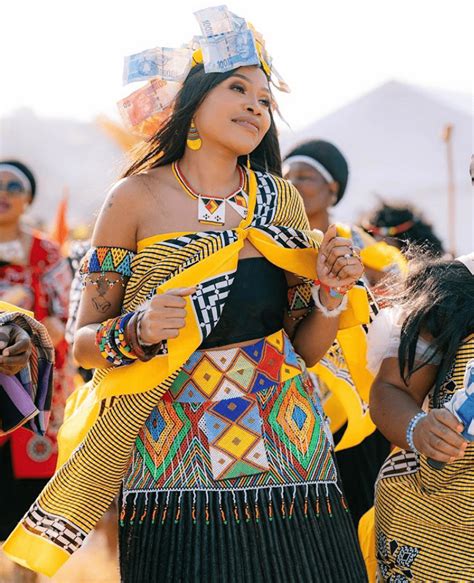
(334, 292)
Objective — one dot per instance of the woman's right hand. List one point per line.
(437, 436)
(15, 349)
(164, 315)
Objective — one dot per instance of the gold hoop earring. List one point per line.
(193, 140)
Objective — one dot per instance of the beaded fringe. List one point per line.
(291, 534)
(273, 502)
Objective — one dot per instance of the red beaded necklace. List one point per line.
(211, 209)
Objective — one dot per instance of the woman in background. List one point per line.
(420, 348)
(402, 226)
(320, 172)
(33, 276)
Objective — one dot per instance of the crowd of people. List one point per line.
(266, 393)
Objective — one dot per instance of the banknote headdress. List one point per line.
(227, 42)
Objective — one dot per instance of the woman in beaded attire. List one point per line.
(201, 408)
(33, 276)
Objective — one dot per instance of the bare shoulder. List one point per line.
(118, 218)
(157, 180)
(130, 205)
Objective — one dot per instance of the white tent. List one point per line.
(392, 140)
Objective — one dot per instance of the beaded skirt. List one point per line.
(235, 461)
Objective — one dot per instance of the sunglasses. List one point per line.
(12, 188)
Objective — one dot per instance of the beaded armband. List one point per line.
(100, 262)
(300, 298)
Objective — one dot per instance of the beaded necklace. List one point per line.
(211, 209)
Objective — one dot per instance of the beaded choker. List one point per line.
(211, 209)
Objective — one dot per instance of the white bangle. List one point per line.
(411, 429)
(325, 311)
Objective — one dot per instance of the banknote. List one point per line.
(219, 20)
(168, 64)
(229, 51)
(147, 104)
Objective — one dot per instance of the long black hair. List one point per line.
(421, 233)
(169, 142)
(438, 298)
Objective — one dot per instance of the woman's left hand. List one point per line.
(339, 264)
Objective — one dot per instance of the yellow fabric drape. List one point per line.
(143, 376)
(7, 307)
(366, 533)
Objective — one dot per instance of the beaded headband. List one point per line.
(389, 231)
(227, 43)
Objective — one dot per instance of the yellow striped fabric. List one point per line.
(425, 517)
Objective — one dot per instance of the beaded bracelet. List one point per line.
(411, 428)
(142, 352)
(119, 343)
(334, 292)
(105, 340)
(120, 338)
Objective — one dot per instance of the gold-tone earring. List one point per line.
(194, 140)
(249, 166)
